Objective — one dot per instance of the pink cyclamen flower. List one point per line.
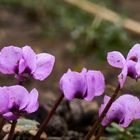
(123, 111)
(25, 62)
(84, 85)
(130, 66)
(16, 100)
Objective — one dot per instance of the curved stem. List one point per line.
(2, 123)
(13, 126)
(101, 131)
(47, 119)
(99, 120)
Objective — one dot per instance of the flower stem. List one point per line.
(3, 121)
(99, 120)
(101, 131)
(47, 119)
(13, 126)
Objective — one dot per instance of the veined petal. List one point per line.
(45, 63)
(123, 110)
(116, 59)
(115, 114)
(130, 105)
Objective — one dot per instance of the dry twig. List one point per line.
(106, 14)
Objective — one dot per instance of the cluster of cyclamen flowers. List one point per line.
(23, 62)
(87, 84)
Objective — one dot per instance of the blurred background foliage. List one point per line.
(118, 133)
(90, 34)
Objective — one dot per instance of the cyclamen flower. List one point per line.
(130, 66)
(84, 85)
(15, 101)
(24, 62)
(123, 111)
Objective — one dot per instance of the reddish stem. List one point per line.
(101, 131)
(2, 123)
(47, 119)
(13, 126)
(99, 120)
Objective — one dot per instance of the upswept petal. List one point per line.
(22, 66)
(122, 76)
(105, 121)
(132, 72)
(30, 57)
(44, 66)
(134, 53)
(116, 59)
(33, 102)
(105, 101)
(73, 84)
(4, 100)
(18, 96)
(9, 57)
(137, 68)
(95, 84)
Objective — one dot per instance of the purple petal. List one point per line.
(105, 121)
(134, 53)
(132, 69)
(124, 110)
(10, 116)
(95, 84)
(115, 113)
(18, 96)
(128, 70)
(130, 105)
(22, 66)
(29, 57)
(33, 102)
(137, 68)
(105, 101)
(4, 100)
(116, 59)
(9, 57)
(45, 63)
(73, 84)
(122, 76)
